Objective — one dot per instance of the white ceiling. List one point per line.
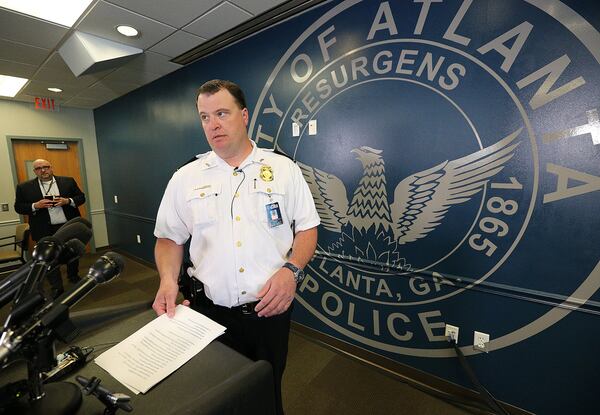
(29, 46)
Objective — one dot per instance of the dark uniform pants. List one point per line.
(258, 338)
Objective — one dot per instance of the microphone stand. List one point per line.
(38, 349)
(35, 341)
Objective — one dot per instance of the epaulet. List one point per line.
(196, 157)
(276, 150)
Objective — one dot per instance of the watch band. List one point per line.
(298, 273)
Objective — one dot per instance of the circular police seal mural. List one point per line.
(433, 143)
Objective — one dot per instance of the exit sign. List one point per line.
(45, 104)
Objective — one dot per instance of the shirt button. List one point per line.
(237, 194)
(268, 190)
(238, 243)
(237, 218)
(243, 292)
(241, 269)
(235, 173)
(201, 194)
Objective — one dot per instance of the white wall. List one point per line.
(20, 119)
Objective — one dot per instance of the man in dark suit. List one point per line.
(50, 201)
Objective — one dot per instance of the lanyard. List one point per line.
(49, 187)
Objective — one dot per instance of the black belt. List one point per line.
(246, 309)
(197, 296)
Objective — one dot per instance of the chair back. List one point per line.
(22, 237)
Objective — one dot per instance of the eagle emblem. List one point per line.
(420, 201)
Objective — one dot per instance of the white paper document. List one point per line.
(159, 348)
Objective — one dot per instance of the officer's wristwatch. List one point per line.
(298, 273)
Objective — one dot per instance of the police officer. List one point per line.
(237, 203)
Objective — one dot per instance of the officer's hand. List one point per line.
(164, 302)
(277, 294)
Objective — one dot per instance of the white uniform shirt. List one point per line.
(233, 247)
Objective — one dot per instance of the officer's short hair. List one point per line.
(215, 85)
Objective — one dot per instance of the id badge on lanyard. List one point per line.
(274, 215)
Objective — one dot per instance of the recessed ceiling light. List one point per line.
(127, 30)
(54, 89)
(11, 85)
(64, 12)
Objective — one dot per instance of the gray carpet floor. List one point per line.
(317, 380)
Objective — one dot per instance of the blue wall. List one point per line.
(514, 255)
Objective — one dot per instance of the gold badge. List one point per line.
(266, 173)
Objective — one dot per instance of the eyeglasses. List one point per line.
(42, 168)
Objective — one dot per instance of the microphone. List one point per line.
(45, 254)
(47, 249)
(112, 401)
(81, 220)
(75, 229)
(73, 250)
(107, 267)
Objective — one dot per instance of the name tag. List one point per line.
(274, 215)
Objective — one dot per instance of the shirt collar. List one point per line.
(213, 160)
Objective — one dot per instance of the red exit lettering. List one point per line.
(45, 104)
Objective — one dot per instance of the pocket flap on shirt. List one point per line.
(203, 191)
(260, 186)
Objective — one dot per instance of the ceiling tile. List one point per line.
(178, 43)
(98, 91)
(119, 87)
(20, 70)
(66, 77)
(40, 88)
(18, 52)
(132, 76)
(24, 98)
(79, 102)
(177, 13)
(23, 29)
(104, 17)
(218, 20)
(257, 6)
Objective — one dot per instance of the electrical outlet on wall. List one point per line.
(312, 127)
(295, 129)
(451, 333)
(480, 341)
(139, 239)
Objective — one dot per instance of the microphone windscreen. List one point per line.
(81, 220)
(47, 239)
(117, 260)
(47, 249)
(74, 249)
(76, 230)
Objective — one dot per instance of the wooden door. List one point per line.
(64, 162)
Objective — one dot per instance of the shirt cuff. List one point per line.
(33, 209)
